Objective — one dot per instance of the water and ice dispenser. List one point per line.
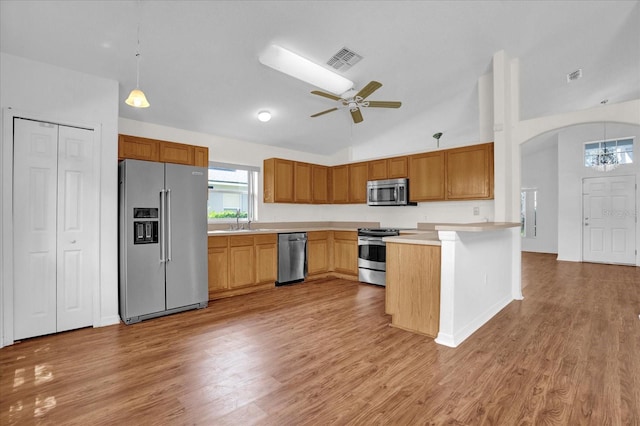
(145, 225)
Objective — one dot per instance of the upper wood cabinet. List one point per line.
(397, 167)
(178, 153)
(426, 176)
(340, 184)
(278, 181)
(470, 172)
(320, 184)
(378, 169)
(358, 176)
(201, 156)
(138, 148)
(302, 182)
(464, 173)
(388, 168)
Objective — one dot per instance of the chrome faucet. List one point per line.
(237, 218)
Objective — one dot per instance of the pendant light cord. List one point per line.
(138, 49)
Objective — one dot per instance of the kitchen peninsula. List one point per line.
(449, 279)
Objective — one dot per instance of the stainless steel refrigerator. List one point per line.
(162, 240)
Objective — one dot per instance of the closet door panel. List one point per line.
(77, 228)
(34, 219)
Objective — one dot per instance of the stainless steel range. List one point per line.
(372, 254)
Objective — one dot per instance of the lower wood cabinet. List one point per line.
(345, 252)
(240, 264)
(413, 287)
(318, 252)
(266, 247)
(218, 256)
(242, 269)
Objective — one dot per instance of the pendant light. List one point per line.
(136, 98)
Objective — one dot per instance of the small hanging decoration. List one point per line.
(437, 137)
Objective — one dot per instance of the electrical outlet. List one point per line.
(476, 211)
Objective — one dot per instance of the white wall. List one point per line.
(539, 170)
(239, 152)
(46, 92)
(571, 171)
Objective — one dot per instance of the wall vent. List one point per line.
(344, 59)
(575, 75)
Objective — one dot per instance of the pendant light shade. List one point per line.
(137, 99)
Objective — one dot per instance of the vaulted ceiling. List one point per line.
(200, 69)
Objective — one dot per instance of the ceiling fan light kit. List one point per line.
(287, 62)
(356, 101)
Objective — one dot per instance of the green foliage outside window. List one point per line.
(227, 214)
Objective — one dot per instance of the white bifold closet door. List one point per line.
(55, 216)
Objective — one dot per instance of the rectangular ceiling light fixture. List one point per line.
(285, 61)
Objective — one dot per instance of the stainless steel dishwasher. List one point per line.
(292, 257)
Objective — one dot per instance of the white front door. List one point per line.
(55, 228)
(609, 219)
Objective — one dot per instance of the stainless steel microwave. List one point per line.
(390, 192)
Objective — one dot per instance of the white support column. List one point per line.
(447, 287)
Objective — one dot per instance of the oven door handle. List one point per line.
(370, 241)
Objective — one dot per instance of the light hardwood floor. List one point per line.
(323, 353)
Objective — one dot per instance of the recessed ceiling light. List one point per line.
(283, 60)
(264, 116)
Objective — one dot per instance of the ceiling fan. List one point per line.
(357, 101)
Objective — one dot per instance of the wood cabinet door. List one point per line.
(340, 184)
(397, 167)
(266, 263)
(358, 176)
(218, 274)
(241, 266)
(278, 181)
(345, 252)
(320, 184)
(317, 252)
(470, 172)
(218, 258)
(378, 169)
(302, 182)
(178, 153)
(201, 156)
(137, 148)
(426, 176)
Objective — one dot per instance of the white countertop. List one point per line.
(427, 234)
(224, 232)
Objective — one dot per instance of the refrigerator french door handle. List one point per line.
(168, 225)
(161, 237)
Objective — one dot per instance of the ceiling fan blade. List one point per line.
(356, 115)
(369, 89)
(324, 112)
(384, 104)
(326, 95)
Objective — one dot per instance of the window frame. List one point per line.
(252, 189)
(602, 144)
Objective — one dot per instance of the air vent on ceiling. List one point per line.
(573, 76)
(344, 59)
